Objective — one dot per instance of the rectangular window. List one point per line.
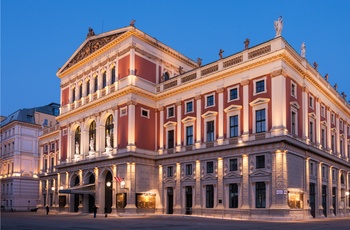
(311, 168)
(260, 86)
(188, 169)
(233, 164)
(294, 120)
(333, 143)
(145, 113)
(210, 131)
(233, 196)
(171, 112)
(189, 106)
(333, 118)
(234, 126)
(323, 111)
(233, 94)
(323, 138)
(293, 90)
(260, 162)
(189, 135)
(209, 198)
(260, 120)
(171, 139)
(45, 165)
(260, 195)
(170, 171)
(311, 131)
(210, 167)
(210, 100)
(311, 102)
(323, 172)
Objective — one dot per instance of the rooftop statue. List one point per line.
(199, 62)
(132, 23)
(303, 50)
(220, 53)
(90, 33)
(315, 66)
(246, 43)
(279, 26)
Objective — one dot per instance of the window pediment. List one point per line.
(188, 119)
(232, 108)
(259, 101)
(295, 104)
(170, 124)
(209, 114)
(260, 173)
(313, 115)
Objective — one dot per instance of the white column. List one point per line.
(161, 130)
(337, 135)
(178, 128)
(345, 142)
(245, 84)
(305, 114)
(198, 121)
(278, 103)
(115, 130)
(317, 122)
(131, 126)
(329, 130)
(220, 93)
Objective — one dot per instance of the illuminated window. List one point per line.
(295, 200)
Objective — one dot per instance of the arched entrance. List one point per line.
(108, 193)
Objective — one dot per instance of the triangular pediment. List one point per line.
(92, 44)
(232, 175)
(187, 178)
(209, 177)
(295, 104)
(259, 173)
(169, 124)
(259, 101)
(188, 119)
(209, 114)
(232, 108)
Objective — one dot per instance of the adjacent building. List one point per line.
(19, 156)
(143, 128)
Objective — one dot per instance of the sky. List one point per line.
(39, 36)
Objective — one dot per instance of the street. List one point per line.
(41, 221)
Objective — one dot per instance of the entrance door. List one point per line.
(170, 195)
(334, 200)
(188, 200)
(312, 199)
(324, 199)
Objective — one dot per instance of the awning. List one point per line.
(81, 189)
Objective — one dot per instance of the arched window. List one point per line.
(113, 75)
(104, 80)
(87, 87)
(73, 94)
(80, 91)
(77, 140)
(109, 132)
(95, 84)
(92, 136)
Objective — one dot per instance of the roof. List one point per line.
(27, 115)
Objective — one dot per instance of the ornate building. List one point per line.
(143, 128)
(19, 156)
